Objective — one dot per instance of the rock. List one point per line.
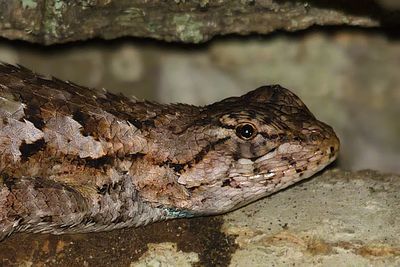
(49, 22)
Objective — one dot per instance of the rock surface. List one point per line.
(60, 21)
(334, 219)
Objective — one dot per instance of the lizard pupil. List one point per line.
(245, 131)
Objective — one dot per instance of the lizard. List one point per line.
(75, 159)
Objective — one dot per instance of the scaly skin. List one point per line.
(73, 159)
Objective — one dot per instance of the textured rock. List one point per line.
(165, 254)
(338, 219)
(60, 21)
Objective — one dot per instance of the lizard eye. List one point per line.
(246, 131)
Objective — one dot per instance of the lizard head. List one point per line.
(252, 146)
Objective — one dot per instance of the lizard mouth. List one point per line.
(280, 168)
(285, 165)
(290, 163)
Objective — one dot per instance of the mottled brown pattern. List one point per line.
(73, 159)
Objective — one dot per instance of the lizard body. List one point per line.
(73, 159)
